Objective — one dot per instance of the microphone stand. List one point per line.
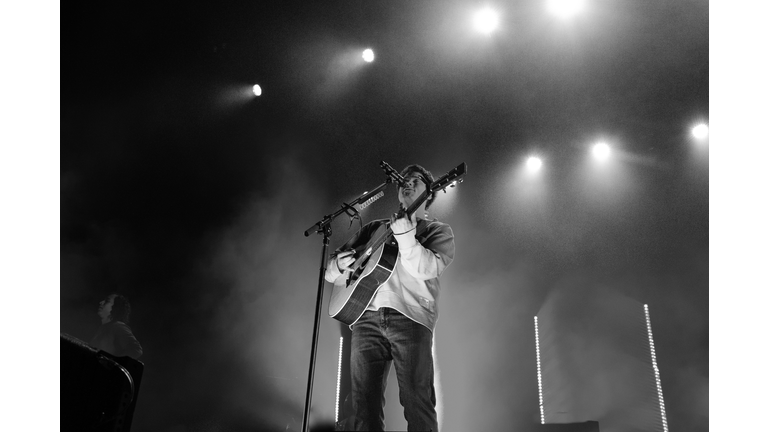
(323, 226)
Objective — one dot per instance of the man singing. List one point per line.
(398, 323)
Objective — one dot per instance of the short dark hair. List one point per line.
(121, 308)
(428, 178)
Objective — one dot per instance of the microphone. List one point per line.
(394, 175)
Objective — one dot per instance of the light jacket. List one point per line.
(413, 289)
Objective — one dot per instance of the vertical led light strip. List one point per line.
(656, 370)
(538, 368)
(338, 378)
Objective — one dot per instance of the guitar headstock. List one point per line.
(451, 178)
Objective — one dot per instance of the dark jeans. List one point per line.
(378, 339)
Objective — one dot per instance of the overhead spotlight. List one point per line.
(533, 163)
(257, 90)
(368, 55)
(601, 151)
(486, 21)
(700, 131)
(565, 8)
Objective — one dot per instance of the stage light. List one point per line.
(565, 8)
(368, 55)
(538, 367)
(662, 410)
(601, 151)
(486, 21)
(257, 90)
(700, 131)
(533, 164)
(338, 377)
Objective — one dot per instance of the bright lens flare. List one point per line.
(601, 151)
(486, 21)
(533, 163)
(368, 55)
(700, 131)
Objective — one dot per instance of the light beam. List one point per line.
(565, 8)
(368, 55)
(486, 21)
(601, 151)
(700, 131)
(533, 163)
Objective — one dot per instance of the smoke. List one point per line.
(595, 358)
(264, 320)
(482, 339)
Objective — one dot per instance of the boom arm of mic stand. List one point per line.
(320, 226)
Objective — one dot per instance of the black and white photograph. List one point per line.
(386, 215)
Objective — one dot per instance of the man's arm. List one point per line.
(427, 260)
(344, 256)
(128, 343)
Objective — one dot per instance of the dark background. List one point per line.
(190, 196)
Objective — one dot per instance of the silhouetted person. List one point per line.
(114, 336)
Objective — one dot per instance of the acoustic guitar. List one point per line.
(373, 266)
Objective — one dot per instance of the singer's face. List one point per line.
(414, 187)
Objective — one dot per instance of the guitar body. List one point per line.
(353, 293)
